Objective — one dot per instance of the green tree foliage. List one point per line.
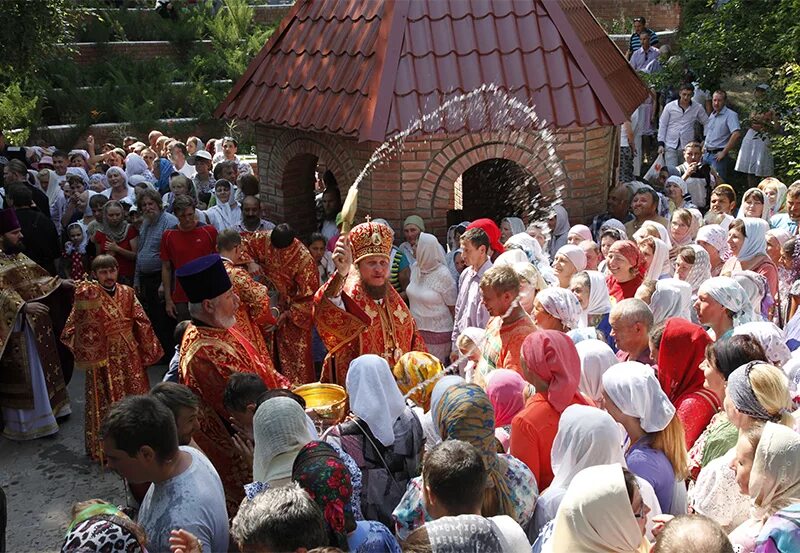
(739, 36)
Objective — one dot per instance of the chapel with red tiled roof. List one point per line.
(339, 77)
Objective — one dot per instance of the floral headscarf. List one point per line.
(322, 474)
(415, 373)
(466, 413)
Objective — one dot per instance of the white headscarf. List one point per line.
(279, 431)
(511, 256)
(672, 298)
(54, 192)
(79, 172)
(516, 224)
(771, 339)
(430, 255)
(767, 206)
(755, 241)
(717, 237)
(530, 246)
(680, 182)
(634, 389)
(561, 304)
(587, 436)
(781, 235)
(756, 287)
(374, 396)
(596, 358)
(581, 230)
(775, 476)
(595, 515)
(660, 260)
(599, 301)
(663, 233)
(617, 225)
(730, 294)
(575, 254)
(136, 165)
(701, 270)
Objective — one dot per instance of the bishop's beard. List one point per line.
(375, 292)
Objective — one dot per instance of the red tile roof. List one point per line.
(368, 68)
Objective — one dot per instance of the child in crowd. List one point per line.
(172, 374)
(76, 260)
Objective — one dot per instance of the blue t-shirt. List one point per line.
(372, 537)
(653, 466)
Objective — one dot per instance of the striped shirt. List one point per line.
(635, 43)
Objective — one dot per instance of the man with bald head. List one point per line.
(618, 207)
(251, 217)
(692, 534)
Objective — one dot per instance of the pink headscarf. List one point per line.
(551, 355)
(492, 231)
(504, 388)
(581, 230)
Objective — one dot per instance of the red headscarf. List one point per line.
(630, 250)
(551, 355)
(683, 348)
(492, 231)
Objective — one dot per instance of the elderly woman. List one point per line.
(432, 295)
(680, 346)
(550, 362)
(382, 434)
(677, 191)
(747, 239)
(656, 444)
(556, 309)
(626, 267)
(568, 260)
(721, 302)
(466, 413)
(587, 437)
(413, 226)
(766, 470)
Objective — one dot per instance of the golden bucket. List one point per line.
(328, 401)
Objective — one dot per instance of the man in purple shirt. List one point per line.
(630, 322)
(469, 306)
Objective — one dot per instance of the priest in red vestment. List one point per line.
(113, 340)
(289, 267)
(211, 350)
(357, 311)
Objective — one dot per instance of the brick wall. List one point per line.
(662, 15)
(422, 180)
(87, 53)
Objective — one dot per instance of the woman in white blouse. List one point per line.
(432, 294)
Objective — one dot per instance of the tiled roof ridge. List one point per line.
(497, 50)
(502, 87)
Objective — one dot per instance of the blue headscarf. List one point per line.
(166, 170)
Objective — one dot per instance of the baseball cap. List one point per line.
(202, 154)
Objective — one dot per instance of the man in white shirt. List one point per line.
(676, 125)
(645, 59)
(177, 154)
(140, 441)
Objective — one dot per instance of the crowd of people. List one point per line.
(629, 385)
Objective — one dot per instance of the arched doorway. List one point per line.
(298, 180)
(496, 188)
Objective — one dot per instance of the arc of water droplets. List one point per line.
(500, 104)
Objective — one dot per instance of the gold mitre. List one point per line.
(370, 239)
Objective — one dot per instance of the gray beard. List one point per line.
(375, 292)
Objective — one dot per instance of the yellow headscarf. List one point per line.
(414, 368)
